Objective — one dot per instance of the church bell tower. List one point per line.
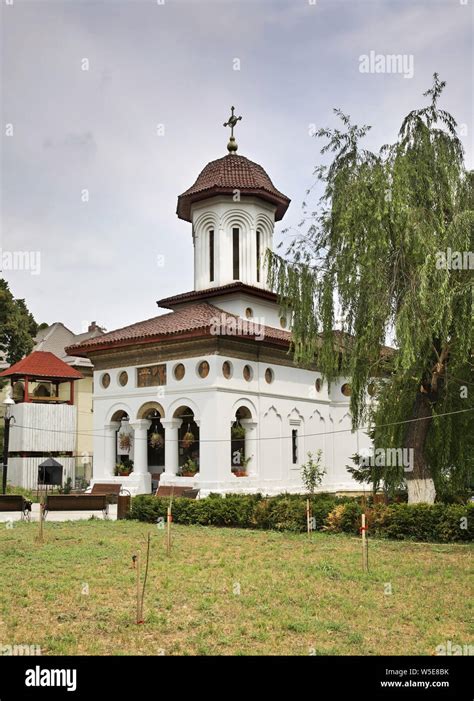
(233, 207)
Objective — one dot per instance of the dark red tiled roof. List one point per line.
(43, 364)
(193, 319)
(223, 176)
(193, 295)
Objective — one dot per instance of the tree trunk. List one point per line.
(419, 481)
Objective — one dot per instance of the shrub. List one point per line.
(438, 522)
(287, 512)
(345, 518)
(312, 472)
(321, 507)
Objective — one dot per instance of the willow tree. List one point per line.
(386, 260)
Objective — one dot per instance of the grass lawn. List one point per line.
(297, 596)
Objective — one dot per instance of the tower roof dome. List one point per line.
(223, 176)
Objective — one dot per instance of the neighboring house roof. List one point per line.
(195, 295)
(56, 337)
(227, 174)
(201, 319)
(42, 364)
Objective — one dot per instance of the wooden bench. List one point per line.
(76, 502)
(177, 492)
(112, 491)
(16, 502)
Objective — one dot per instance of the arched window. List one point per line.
(235, 254)
(294, 446)
(211, 255)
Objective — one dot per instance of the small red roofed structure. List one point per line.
(42, 373)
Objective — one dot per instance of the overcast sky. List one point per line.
(173, 63)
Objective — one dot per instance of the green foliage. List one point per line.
(371, 256)
(238, 432)
(125, 467)
(287, 512)
(312, 472)
(17, 326)
(189, 467)
(281, 514)
(421, 522)
(389, 479)
(425, 522)
(344, 518)
(67, 489)
(27, 493)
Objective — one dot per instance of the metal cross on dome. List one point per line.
(231, 122)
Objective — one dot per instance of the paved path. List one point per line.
(6, 517)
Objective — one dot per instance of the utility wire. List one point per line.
(261, 438)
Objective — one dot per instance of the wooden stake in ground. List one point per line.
(365, 545)
(169, 518)
(168, 529)
(145, 578)
(137, 565)
(41, 519)
(308, 517)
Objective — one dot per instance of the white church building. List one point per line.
(207, 394)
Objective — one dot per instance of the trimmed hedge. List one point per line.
(437, 522)
(287, 512)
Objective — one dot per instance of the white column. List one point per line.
(252, 279)
(140, 444)
(110, 452)
(214, 448)
(243, 252)
(228, 257)
(171, 427)
(197, 260)
(203, 275)
(195, 243)
(217, 257)
(251, 445)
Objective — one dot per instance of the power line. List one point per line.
(262, 438)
